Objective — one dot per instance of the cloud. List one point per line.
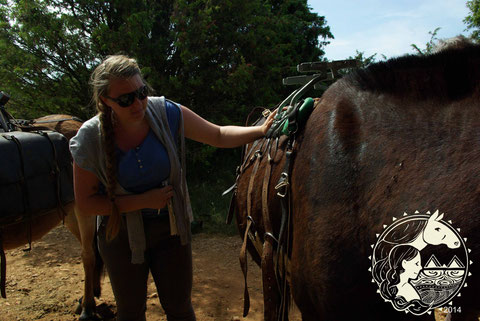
(388, 27)
(390, 39)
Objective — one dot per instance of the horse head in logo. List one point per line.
(437, 232)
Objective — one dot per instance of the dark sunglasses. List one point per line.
(126, 100)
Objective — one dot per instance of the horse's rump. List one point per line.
(399, 136)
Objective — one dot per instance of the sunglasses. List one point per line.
(126, 100)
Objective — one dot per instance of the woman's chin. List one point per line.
(137, 115)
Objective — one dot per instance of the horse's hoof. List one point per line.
(79, 308)
(89, 316)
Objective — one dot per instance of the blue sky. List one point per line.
(388, 26)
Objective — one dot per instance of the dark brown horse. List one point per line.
(82, 227)
(399, 136)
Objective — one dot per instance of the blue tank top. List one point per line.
(147, 166)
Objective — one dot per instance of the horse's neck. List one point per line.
(418, 242)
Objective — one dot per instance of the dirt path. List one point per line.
(45, 283)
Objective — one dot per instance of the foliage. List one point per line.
(50, 47)
(232, 56)
(237, 52)
(44, 58)
(233, 51)
(219, 57)
(365, 61)
(473, 19)
(430, 45)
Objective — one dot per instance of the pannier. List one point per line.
(35, 174)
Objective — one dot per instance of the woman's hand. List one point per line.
(158, 197)
(268, 123)
(203, 131)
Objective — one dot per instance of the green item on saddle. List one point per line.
(303, 113)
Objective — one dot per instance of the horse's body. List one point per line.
(400, 136)
(82, 227)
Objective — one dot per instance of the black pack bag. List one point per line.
(35, 174)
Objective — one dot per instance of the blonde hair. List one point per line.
(113, 67)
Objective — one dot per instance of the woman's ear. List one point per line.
(102, 99)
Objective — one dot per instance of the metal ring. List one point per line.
(251, 219)
(271, 236)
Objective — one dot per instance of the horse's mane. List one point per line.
(450, 74)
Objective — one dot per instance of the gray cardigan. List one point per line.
(87, 151)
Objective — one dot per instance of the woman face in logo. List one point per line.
(412, 267)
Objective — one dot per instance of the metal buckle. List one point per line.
(256, 154)
(282, 183)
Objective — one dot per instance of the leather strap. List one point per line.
(258, 156)
(283, 249)
(26, 197)
(266, 181)
(56, 172)
(246, 302)
(244, 266)
(3, 270)
(231, 208)
(251, 158)
(270, 286)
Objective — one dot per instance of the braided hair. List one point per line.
(113, 67)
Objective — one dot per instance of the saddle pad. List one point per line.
(35, 171)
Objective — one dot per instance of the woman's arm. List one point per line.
(203, 131)
(89, 202)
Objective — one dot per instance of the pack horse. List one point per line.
(378, 206)
(37, 177)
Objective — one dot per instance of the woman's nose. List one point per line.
(137, 102)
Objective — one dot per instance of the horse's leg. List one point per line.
(87, 227)
(72, 225)
(83, 228)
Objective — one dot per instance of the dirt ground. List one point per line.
(46, 282)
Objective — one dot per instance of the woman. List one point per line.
(130, 159)
(403, 265)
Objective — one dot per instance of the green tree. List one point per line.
(44, 59)
(236, 51)
(219, 57)
(50, 47)
(232, 56)
(363, 60)
(430, 45)
(473, 19)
